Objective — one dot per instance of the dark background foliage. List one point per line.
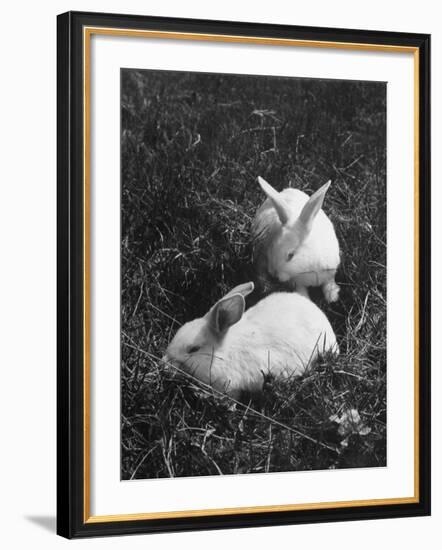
(192, 146)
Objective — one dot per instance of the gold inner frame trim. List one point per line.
(87, 34)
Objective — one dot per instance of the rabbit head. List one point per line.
(295, 228)
(194, 347)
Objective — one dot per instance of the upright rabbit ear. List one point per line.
(226, 313)
(278, 202)
(313, 206)
(245, 289)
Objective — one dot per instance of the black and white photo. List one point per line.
(253, 274)
(243, 277)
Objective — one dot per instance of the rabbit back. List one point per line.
(279, 336)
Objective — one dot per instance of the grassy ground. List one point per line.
(192, 147)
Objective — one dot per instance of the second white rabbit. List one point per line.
(295, 242)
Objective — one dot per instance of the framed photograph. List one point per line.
(243, 274)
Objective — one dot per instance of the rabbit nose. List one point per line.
(166, 363)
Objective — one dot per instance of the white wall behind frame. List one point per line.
(27, 223)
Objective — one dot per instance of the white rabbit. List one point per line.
(295, 242)
(231, 351)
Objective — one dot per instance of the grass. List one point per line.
(192, 147)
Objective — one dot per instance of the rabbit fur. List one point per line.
(232, 350)
(295, 242)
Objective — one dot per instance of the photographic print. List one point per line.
(253, 274)
(224, 241)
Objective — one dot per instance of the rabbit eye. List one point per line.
(290, 255)
(193, 349)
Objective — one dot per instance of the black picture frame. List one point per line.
(71, 518)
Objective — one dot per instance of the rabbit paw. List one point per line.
(331, 291)
(303, 290)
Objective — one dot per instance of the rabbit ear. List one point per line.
(245, 289)
(278, 202)
(313, 206)
(226, 312)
